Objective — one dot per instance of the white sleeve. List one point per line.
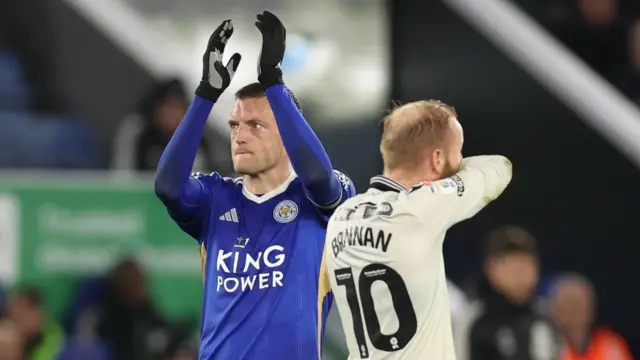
(480, 181)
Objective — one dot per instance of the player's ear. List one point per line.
(437, 160)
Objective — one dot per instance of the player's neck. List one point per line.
(267, 181)
(409, 179)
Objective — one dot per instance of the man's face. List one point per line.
(256, 145)
(572, 306)
(169, 113)
(515, 275)
(132, 285)
(598, 12)
(28, 317)
(10, 342)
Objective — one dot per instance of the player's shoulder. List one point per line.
(356, 199)
(343, 178)
(214, 179)
(453, 185)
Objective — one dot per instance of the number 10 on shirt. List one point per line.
(362, 307)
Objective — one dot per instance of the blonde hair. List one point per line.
(411, 128)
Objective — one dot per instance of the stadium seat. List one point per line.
(45, 142)
(14, 128)
(14, 91)
(65, 143)
(75, 349)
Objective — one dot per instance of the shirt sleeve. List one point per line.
(480, 181)
(308, 157)
(347, 190)
(198, 224)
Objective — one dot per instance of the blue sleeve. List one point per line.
(347, 190)
(308, 157)
(185, 196)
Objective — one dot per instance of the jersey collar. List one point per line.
(383, 183)
(271, 194)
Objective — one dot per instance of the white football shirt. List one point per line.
(383, 256)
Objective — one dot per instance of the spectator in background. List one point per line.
(597, 32)
(42, 338)
(633, 88)
(10, 342)
(141, 139)
(573, 309)
(127, 320)
(503, 323)
(634, 46)
(458, 304)
(27, 30)
(3, 299)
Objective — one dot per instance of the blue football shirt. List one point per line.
(264, 294)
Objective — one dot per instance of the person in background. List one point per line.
(11, 346)
(126, 319)
(42, 338)
(3, 299)
(458, 304)
(573, 300)
(632, 87)
(597, 32)
(141, 138)
(502, 323)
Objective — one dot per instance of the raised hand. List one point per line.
(274, 36)
(216, 77)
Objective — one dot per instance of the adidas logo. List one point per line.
(230, 215)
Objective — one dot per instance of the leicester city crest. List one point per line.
(286, 211)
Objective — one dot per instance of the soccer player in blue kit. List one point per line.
(261, 236)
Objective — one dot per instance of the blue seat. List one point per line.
(15, 94)
(10, 70)
(76, 349)
(65, 143)
(45, 142)
(13, 138)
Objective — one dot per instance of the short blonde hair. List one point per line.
(410, 129)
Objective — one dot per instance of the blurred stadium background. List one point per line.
(90, 89)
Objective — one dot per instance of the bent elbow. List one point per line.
(164, 191)
(507, 172)
(504, 172)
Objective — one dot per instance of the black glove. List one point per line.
(215, 76)
(274, 37)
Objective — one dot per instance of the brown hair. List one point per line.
(256, 90)
(510, 239)
(412, 127)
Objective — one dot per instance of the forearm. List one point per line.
(307, 155)
(492, 174)
(173, 184)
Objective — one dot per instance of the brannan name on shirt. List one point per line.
(360, 236)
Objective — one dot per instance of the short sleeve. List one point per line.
(480, 181)
(197, 223)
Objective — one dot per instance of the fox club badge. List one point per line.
(286, 211)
